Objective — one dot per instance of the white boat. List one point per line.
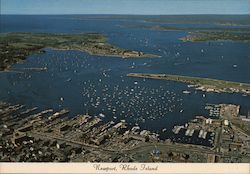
(102, 115)
(186, 92)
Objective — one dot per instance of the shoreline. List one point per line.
(203, 84)
(17, 46)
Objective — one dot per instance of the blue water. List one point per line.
(96, 84)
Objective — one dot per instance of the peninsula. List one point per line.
(17, 46)
(200, 36)
(204, 84)
(208, 34)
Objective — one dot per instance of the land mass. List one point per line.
(204, 84)
(213, 29)
(17, 46)
(34, 135)
(208, 34)
(242, 20)
(201, 36)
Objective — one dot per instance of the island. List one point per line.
(199, 83)
(17, 46)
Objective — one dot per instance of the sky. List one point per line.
(142, 7)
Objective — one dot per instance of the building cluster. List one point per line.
(30, 135)
(227, 131)
(33, 135)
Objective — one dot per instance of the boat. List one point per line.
(68, 80)
(186, 92)
(102, 115)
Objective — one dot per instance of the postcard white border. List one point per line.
(117, 168)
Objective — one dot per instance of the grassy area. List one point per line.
(17, 46)
(206, 83)
(50, 39)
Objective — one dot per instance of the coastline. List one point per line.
(203, 84)
(17, 46)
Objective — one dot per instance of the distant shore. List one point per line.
(208, 34)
